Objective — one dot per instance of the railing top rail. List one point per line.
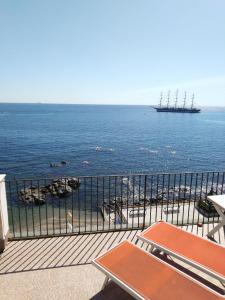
(116, 175)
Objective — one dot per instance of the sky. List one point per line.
(112, 51)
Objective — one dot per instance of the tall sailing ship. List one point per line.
(175, 108)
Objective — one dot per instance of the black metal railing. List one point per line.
(48, 207)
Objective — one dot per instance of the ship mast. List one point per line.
(160, 100)
(176, 98)
(168, 98)
(192, 101)
(185, 96)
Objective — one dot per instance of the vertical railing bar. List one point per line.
(196, 187)
(222, 183)
(97, 200)
(217, 182)
(168, 197)
(206, 193)
(133, 201)
(221, 191)
(157, 196)
(115, 204)
(85, 206)
(109, 178)
(72, 209)
(53, 213)
(127, 204)
(78, 204)
(162, 200)
(189, 200)
(18, 205)
(212, 182)
(91, 210)
(174, 187)
(145, 178)
(201, 185)
(65, 207)
(201, 199)
(39, 207)
(139, 198)
(59, 212)
(32, 209)
(11, 206)
(39, 212)
(179, 196)
(25, 208)
(46, 208)
(194, 202)
(150, 204)
(121, 202)
(103, 201)
(212, 189)
(184, 196)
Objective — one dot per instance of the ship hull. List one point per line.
(177, 110)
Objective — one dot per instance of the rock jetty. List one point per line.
(33, 195)
(61, 187)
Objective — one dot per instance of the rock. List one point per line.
(64, 191)
(53, 165)
(39, 201)
(73, 182)
(61, 187)
(63, 162)
(44, 190)
(32, 195)
(33, 187)
(22, 192)
(28, 199)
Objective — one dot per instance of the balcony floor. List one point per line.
(60, 267)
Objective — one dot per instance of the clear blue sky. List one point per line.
(111, 51)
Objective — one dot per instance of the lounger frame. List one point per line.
(180, 257)
(111, 276)
(131, 291)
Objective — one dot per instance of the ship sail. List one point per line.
(176, 99)
(168, 99)
(161, 99)
(192, 101)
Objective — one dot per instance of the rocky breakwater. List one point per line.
(60, 188)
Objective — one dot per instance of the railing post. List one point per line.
(4, 222)
(143, 225)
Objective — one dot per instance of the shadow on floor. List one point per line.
(56, 252)
(112, 292)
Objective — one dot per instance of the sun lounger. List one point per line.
(144, 276)
(200, 253)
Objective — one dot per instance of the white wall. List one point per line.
(4, 222)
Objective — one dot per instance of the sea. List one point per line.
(51, 140)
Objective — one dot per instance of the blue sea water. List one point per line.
(96, 140)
